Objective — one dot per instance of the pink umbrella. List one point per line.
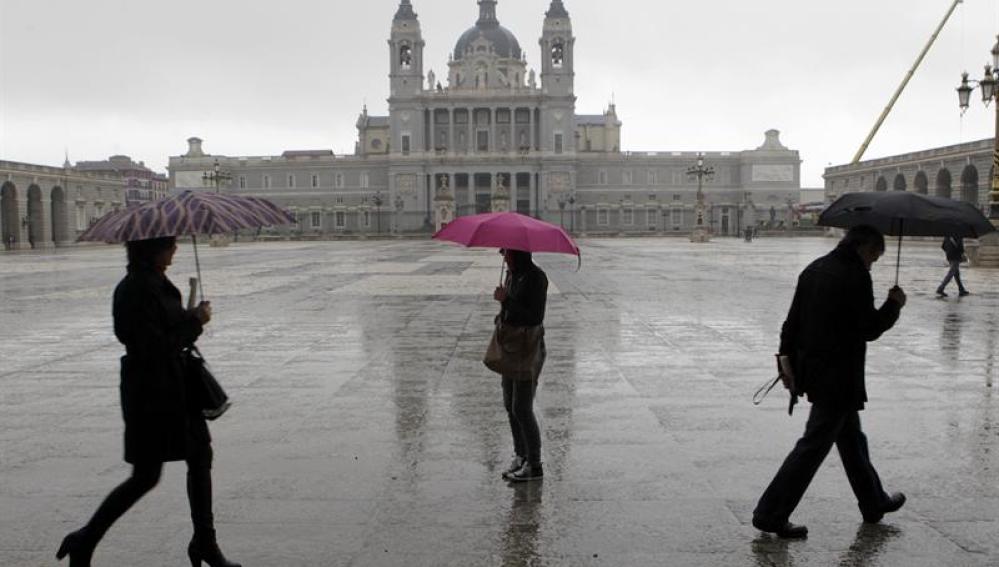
(508, 230)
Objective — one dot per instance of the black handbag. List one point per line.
(204, 391)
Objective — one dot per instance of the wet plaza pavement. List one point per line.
(366, 430)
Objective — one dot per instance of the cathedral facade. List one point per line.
(495, 135)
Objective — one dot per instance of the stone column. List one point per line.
(451, 146)
(530, 132)
(21, 229)
(433, 130)
(493, 146)
(530, 193)
(471, 133)
(45, 234)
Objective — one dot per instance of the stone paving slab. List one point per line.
(367, 432)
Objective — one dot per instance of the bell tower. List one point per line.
(406, 52)
(557, 72)
(558, 107)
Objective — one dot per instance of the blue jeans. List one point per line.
(955, 273)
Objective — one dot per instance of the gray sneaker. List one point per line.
(526, 473)
(515, 465)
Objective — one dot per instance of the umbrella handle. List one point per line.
(197, 265)
(898, 255)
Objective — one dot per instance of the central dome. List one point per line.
(502, 40)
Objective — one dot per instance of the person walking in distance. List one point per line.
(825, 336)
(161, 424)
(953, 246)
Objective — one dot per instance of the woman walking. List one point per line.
(523, 299)
(161, 425)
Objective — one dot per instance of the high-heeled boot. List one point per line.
(79, 546)
(204, 547)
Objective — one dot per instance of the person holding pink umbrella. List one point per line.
(521, 335)
(517, 349)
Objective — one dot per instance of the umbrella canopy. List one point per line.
(901, 213)
(508, 230)
(188, 213)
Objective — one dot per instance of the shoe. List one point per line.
(941, 293)
(527, 472)
(787, 530)
(515, 465)
(206, 549)
(78, 547)
(894, 502)
(963, 293)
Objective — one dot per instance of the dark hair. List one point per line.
(144, 252)
(862, 235)
(520, 259)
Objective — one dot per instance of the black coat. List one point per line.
(832, 317)
(151, 322)
(953, 246)
(526, 297)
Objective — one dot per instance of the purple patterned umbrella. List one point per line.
(189, 213)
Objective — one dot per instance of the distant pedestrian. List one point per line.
(161, 424)
(523, 297)
(832, 317)
(953, 246)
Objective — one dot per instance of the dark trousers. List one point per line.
(144, 478)
(518, 399)
(825, 427)
(955, 273)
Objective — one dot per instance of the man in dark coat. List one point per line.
(832, 317)
(953, 246)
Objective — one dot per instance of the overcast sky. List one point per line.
(101, 77)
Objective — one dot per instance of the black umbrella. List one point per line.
(901, 213)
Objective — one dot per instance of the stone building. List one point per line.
(141, 183)
(494, 135)
(43, 206)
(961, 171)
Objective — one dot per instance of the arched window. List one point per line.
(558, 53)
(969, 185)
(899, 183)
(943, 183)
(921, 183)
(405, 56)
(881, 184)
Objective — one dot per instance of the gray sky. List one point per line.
(101, 77)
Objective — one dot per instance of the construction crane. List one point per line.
(905, 81)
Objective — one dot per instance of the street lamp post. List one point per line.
(990, 93)
(377, 200)
(216, 177)
(572, 213)
(700, 234)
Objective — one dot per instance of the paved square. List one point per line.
(367, 432)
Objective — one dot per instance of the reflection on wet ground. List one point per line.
(366, 431)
